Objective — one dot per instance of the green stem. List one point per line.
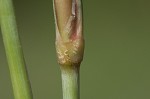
(19, 78)
(70, 82)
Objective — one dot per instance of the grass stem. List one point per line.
(69, 44)
(70, 83)
(15, 58)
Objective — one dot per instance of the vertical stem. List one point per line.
(19, 77)
(70, 83)
(69, 44)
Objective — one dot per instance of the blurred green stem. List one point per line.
(19, 77)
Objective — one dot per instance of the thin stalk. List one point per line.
(70, 83)
(15, 58)
(69, 44)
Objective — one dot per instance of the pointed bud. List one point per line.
(69, 34)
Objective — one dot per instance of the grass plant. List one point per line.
(15, 57)
(69, 44)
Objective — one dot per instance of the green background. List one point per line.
(117, 53)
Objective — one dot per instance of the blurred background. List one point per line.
(117, 53)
